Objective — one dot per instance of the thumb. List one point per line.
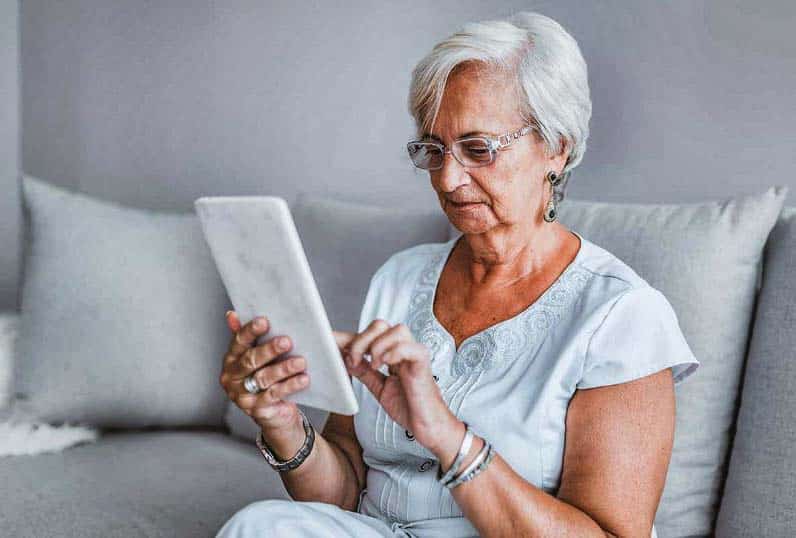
(343, 338)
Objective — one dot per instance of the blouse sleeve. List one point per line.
(639, 336)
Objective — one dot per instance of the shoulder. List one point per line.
(611, 278)
(633, 329)
(389, 291)
(607, 267)
(403, 266)
(617, 296)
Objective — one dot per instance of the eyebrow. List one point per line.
(465, 135)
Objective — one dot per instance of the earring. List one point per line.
(550, 209)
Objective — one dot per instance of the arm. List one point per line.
(334, 471)
(617, 451)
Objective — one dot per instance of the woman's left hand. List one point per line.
(409, 394)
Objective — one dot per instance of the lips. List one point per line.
(467, 206)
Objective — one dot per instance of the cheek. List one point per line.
(525, 176)
(512, 186)
(506, 179)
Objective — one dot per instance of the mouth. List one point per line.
(464, 206)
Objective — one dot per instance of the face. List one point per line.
(512, 191)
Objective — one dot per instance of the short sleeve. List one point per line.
(639, 336)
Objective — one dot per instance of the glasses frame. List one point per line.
(495, 144)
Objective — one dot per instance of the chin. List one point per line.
(467, 227)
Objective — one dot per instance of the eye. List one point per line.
(477, 150)
(425, 155)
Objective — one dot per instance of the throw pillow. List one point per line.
(122, 314)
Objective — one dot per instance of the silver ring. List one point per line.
(250, 384)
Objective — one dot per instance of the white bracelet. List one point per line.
(464, 448)
(478, 464)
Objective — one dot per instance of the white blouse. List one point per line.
(599, 323)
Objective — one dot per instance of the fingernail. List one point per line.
(259, 323)
(281, 343)
(228, 313)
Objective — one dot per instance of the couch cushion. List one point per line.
(760, 492)
(135, 483)
(122, 316)
(706, 259)
(345, 243)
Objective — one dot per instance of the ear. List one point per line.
(557, 162)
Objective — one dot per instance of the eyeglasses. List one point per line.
(470, 152)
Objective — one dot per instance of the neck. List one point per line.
(501, 259)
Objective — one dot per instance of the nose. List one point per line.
(451, 175)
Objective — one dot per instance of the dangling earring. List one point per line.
(550, 209)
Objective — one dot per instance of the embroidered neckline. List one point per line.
(503, 341)
(543, 298)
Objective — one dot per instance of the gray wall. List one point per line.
(154, 104)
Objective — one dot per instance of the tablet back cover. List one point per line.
(262, 263)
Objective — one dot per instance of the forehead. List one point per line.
(476, 100)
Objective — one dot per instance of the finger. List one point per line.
(387, 340)
(373, 380)
(264, 379)
(400, 351)
(247, 335)
(253, 405)
(233, 321)
(256, 357)
(343, 338)
(278, 391)
(277, 372)
(361, 342)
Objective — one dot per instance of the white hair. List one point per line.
(540, 55)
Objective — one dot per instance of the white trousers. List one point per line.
(282, 518)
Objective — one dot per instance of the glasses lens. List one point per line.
(474, 152)
(425, 155)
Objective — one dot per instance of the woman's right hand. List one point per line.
(277, 378)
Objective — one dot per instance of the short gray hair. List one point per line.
(544, 59)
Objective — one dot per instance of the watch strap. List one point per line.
(298, 458)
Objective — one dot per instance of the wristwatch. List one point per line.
(300, 456)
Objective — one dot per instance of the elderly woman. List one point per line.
(517, 380)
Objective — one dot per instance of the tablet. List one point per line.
(262, 263)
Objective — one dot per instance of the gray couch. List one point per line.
(171, 464)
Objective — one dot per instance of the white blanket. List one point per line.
(20, 433)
